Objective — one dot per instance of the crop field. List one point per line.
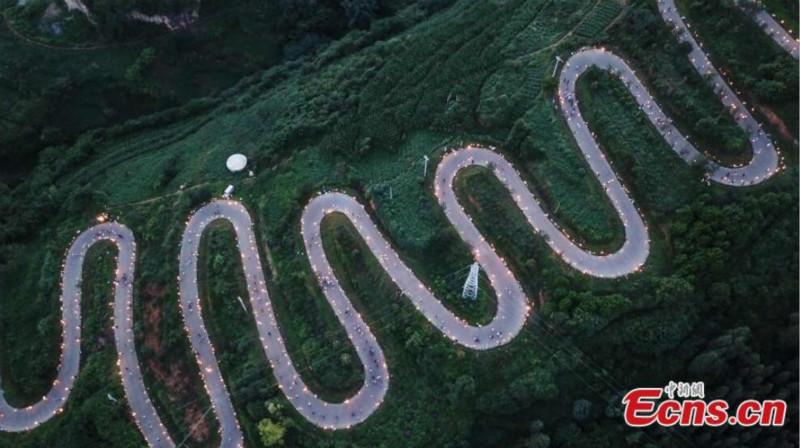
(599, 19)
(56, 87)
(358, 114)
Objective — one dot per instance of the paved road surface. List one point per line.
(775, 31)
(326, 415)
(23, 419)
(765, 161)
(629, 258)
(512, 307)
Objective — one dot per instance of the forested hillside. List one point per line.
(351, 95)
(63, 74)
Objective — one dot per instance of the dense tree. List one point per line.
(714, 302)
(271, 433)
(360, 12)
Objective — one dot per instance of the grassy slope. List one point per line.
(463, 75)
(68, 92)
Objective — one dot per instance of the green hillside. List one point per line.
(357, 111)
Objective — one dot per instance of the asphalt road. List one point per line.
(765, 161)
(512, 305)
(628, 259)
(24, 419)
(777, 32)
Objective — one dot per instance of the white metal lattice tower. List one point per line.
(471, 285)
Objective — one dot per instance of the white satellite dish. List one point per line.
(236, 162)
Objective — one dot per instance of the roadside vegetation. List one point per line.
(764, 74)
(785, 11)
(356, 110)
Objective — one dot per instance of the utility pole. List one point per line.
(425, 169)
(242, 303)
(470, 290)
(111, 398)
(558, 60)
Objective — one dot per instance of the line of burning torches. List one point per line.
(148, 422)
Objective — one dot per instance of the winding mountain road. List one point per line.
(765, 159)
(24, 419)
(774, 29)
(512, 305)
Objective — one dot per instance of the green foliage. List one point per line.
(359, 12)
(133, 74)
(271, 433)
(785, 11)
(357, 112)
(751, 61)
(600, 17)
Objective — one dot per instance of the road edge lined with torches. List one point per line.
(144, 413)
(774, 30)
(512, 305)
(765, 161)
